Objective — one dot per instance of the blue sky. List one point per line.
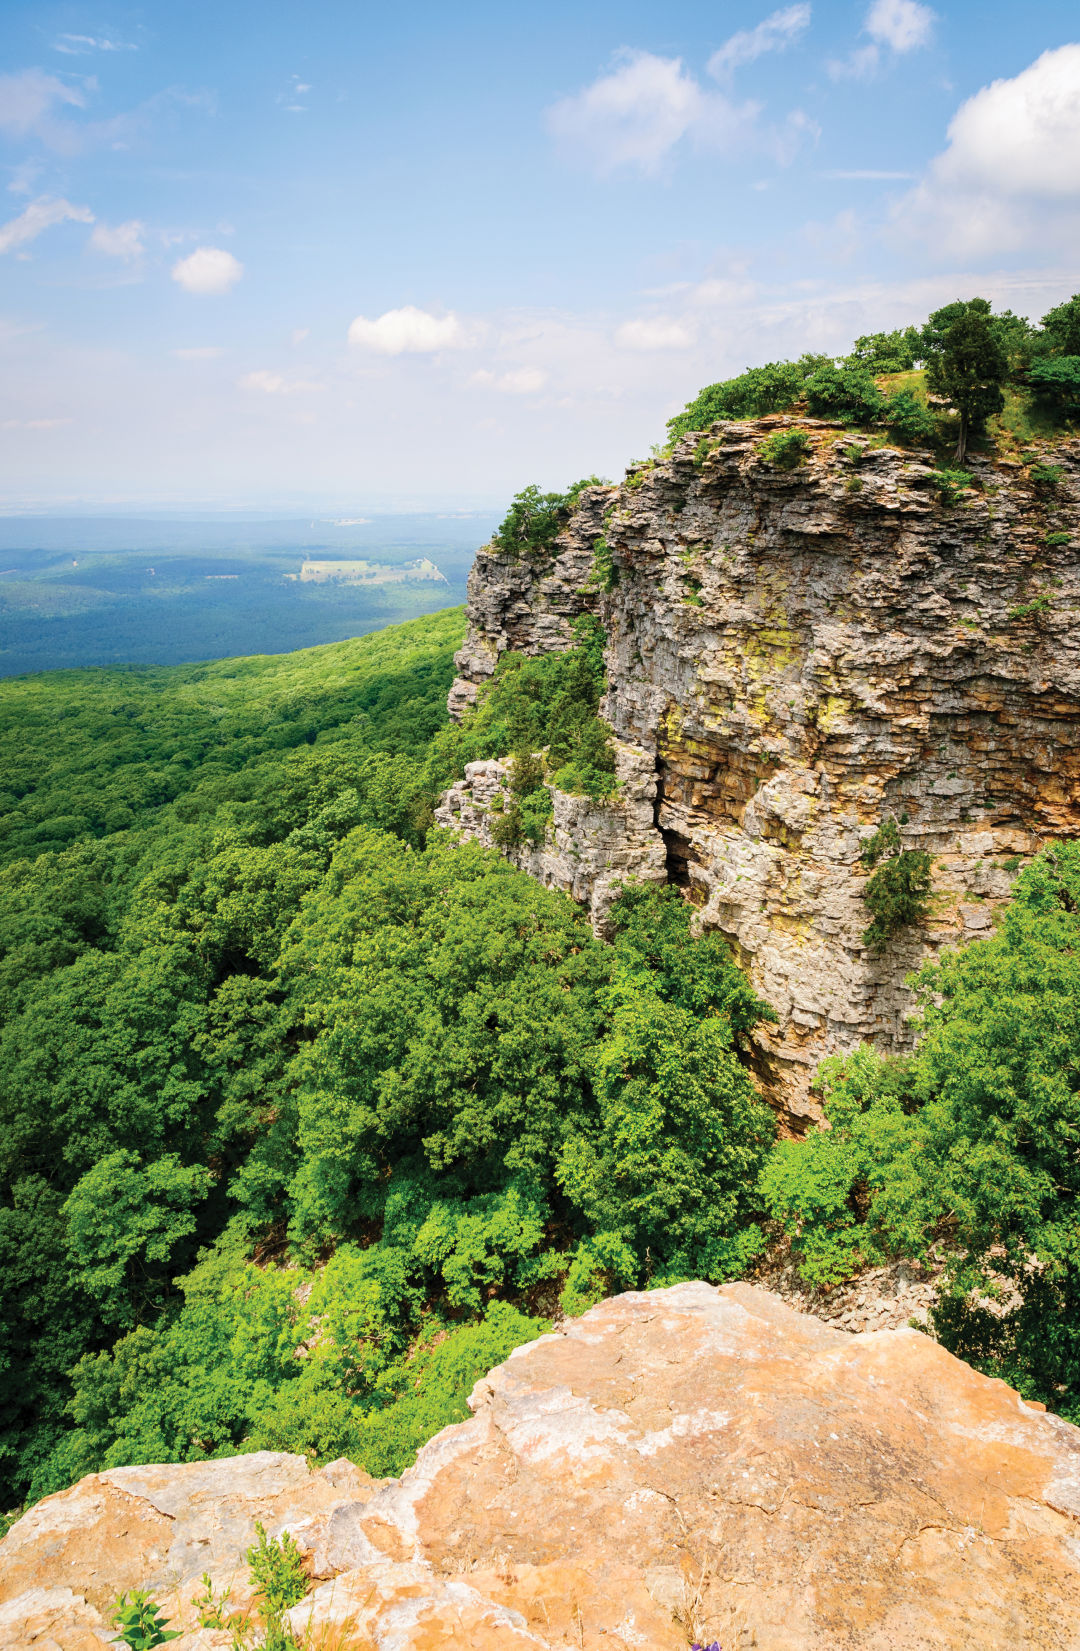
(346, 255)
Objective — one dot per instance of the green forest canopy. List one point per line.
(309, 1114)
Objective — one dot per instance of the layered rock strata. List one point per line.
(795, 655)
(690, 1463)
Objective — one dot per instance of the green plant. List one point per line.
(844, 392)
(950, 484)
(140, 1622)
(1058, 539)
(759, 390)
(211, 1611)
(786, 449)
(1046, 477)
(854, 484)
(534, 520)
(604, 574)
(910, 419)
(693, 590)
(1057, 380)
(897, 895)
(1038, 604)
(277, 1571)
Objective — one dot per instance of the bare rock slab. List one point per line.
(684, 1463)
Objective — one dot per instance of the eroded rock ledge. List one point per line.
(687, 1463)
(794, 654)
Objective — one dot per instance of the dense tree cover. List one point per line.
(969, 354)
(968, 1150)
(307, 1116)
(534, 519)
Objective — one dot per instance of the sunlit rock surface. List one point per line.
(687, 1463)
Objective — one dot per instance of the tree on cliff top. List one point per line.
(967, 363)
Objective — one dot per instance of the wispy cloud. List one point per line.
(645, 106)
(77, 45)
(655, 332)
(774, 34)
(29, 101)
(519, 381)
(120, 240)
(40, 215)
(276, 384)
(896, 26)
(867, 174)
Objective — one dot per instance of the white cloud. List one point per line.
(1009, 175)
(28, 100)
(633, 116)
(199, 352)
(119, 240)
(274, 384)
(39, 215)
(408, 331)
(76, 44)
(637, 113)
(893, 25)
(519, 381)
(207, 271)
(653, 333)
(902, 25)
(773, 35)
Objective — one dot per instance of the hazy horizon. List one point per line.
(344, 260)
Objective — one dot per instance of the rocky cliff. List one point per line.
(795, 655)
(691, 1463)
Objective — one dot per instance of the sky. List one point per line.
(354, 256)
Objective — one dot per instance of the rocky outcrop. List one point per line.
(690, 1463)
(591, 848)
(795, 655)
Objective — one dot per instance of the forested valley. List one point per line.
(310, 1113)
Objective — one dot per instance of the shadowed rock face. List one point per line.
(793, 656)
(688, 1463)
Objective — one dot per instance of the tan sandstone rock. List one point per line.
(686, 1463)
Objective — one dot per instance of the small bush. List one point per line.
(1046, 477)
(909, 420)
(1056, 379)
(604, 574)
(898, 893)
(951, 483)
(760, 390)
(786, 449)
(277, 1572)
(1058, 539)
(844, 392)
(534, 520)
(1038, 604)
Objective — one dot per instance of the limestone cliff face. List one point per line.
(793, 656)
(683, 1464)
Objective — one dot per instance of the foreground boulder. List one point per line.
(691, 1463)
